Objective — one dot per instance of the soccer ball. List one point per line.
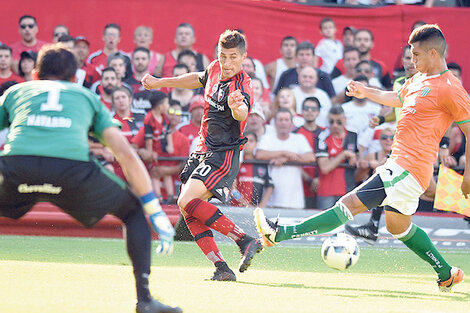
(340, 251)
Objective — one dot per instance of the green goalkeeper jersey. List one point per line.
(52, 119)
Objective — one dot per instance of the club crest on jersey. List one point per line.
(261, 171)
(221, 94)
(425, 91)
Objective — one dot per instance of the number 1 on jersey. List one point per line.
(52, 101)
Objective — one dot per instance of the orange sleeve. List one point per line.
(457, 102)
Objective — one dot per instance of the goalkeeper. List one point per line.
(46, 158)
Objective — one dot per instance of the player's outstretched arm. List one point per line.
(139, 179)
(188, 81)
(359, 90)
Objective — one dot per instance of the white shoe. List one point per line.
(266, 228)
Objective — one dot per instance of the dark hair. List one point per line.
(112, 25)
(31, 55)
(252, 62)
(6, 85)
(180, 65)
(252, 133)
(27, 16)
(233, 39)
(407, 47)
(5, 47)
(454, 66)
(336, 110)
(289, 38)
(184, 53)
(349, 49)
(305, 45)
(56, 62)
(258, 79)
(363, 62)
(282, 110)
(121, 88)
(114, 56)
(326, 20)
(361, 78)
(187, 25)
(418, 24)
(314, 99)
(429, 34)
(350, 28)
(108, 69)
(365, 30)
(141, 49)
(156, 98)
(66, 38)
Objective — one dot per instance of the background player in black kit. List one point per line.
(211, 170)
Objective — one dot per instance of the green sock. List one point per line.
(320, 223)
(418, 241)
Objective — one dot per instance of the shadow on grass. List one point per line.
(364, 292)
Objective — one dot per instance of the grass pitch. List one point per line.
(46, 274)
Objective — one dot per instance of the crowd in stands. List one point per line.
(308, 142)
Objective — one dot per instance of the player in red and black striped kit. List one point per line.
(211, 170)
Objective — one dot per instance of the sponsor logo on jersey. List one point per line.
(49, 121)
(44, 188)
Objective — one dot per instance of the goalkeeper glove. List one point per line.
(160, 223)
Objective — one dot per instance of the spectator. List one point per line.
(182, 95)
(307, 88)
(365, 68)
(188, 58)
(196, 109)
(359, 111)
(81, 48)
(258, 95)
(108, 82)
(350, 60)
(111, 39)
(140, 63)
(305, 55)
(286, 61)
(68, 41)
(131, 121)
(335, 146)
(364, 42)
(58, 32)
(398, 68)
(249, 66)
(310, 130)
(169, 170)
(329, 49)
(455, 69)
(280, 147)
(348, 36)
(6, 74)
(143, 38)
(157, 139)
(117, 62)
(26, 65)
(286, 99)
(253, 186)
(184, 40)
(28, 29)
(256, 121)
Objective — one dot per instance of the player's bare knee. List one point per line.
(352, 202)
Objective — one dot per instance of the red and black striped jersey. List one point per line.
(219, 130)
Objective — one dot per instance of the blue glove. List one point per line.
(160, 223)
(162, 226)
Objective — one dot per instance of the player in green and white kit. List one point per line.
(46, 158)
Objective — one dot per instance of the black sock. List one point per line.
(139, 241)
(375, 217)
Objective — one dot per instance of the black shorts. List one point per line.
(217, 170)
(84, 190)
